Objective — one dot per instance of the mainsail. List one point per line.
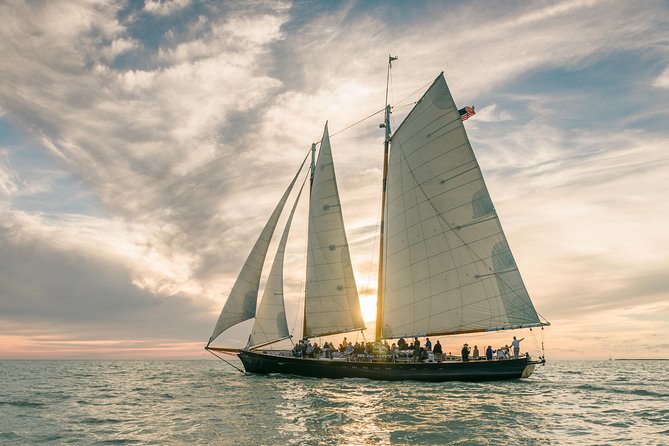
(242, 301)
(270, 324)
(331, 302)
(447, 265)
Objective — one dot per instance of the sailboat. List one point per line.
(445, 267)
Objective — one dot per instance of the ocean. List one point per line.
(208, 402)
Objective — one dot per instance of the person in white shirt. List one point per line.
(516, 347)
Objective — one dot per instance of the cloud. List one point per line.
(55, 280)
(165, 7)
(118, 47)
(173, 129)
(8, 178)
(490, 113)
(662, 81)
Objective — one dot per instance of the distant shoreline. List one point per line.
(642, 359)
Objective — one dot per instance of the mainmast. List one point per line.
(386, 145)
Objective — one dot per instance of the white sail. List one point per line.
(270, 323)
(242, 301)
(447, 264)
(331, 303)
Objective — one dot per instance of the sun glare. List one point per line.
(368, 308)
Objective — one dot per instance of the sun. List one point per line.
(368, 308)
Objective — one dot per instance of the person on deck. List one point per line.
(475, 354)
(488, 353)
(428, 344)
(465, 353)
(516, 347)
(402, 344)
(438, 353)
(416, 353)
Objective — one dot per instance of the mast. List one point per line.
(311, 185)
(313, 165)
(386, 145)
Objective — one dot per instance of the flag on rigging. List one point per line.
(467, 112)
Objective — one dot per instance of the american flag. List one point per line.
(467, 112)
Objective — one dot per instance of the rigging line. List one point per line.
(400, 107)
(380, 111)
(422, 88)
(534, 339)
(356, 123)
(227, 362)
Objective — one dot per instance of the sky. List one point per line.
(143, 145)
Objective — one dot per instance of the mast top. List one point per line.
(390, 65)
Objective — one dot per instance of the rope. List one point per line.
(356, 123)
(396, 107)
(227, 362)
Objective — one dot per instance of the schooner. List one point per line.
(445, 266)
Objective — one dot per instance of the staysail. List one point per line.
(447, 265)
(270, 323)
(242, 301)
(331, 296)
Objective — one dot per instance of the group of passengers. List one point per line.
(490, 354)
(304, 349)
(412, 352)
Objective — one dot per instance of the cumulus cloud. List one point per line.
(172, 131)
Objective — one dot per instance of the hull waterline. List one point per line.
(263, 363)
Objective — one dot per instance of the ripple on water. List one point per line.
(29, 404)
(204, 402)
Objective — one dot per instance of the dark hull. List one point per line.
(263, 363)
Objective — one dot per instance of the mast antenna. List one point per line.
(386, 144)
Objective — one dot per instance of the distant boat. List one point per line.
(445, 267)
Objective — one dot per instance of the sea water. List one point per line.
(208, 402)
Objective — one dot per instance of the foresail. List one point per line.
(331, 303)
(270, 323)
(448, 267)
(242, 301)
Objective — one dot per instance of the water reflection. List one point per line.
(183, 402)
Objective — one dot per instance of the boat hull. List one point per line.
(263, 363)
